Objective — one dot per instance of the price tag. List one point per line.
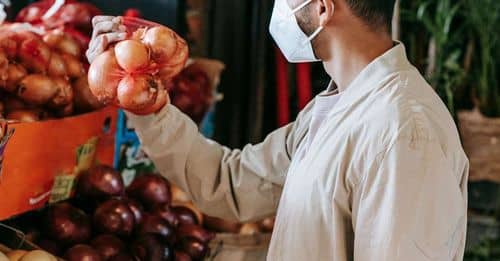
(62, 188)
(85, 155)
(128, 176)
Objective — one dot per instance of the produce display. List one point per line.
(150, 219)
(42, 76)
(131, 74)
(182, 204)
(108, 221)
(72, 17)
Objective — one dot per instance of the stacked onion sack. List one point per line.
(42, 76)
(132, 74)
(73, 17)
(106, 221)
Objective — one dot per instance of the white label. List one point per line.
(128, 176)
(63, 185)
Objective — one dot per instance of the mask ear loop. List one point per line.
(296, 9)
(313, 35)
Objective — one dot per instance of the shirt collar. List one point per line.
(373, 76)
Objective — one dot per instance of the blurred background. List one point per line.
(454, 43)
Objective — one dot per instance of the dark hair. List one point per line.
(376, 13)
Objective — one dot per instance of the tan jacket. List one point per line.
(385, 177)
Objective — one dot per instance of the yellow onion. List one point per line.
(37, 89)
(104, 76)
(131, 55)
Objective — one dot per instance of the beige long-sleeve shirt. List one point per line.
(384, 178)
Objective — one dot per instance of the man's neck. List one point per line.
(350, 57)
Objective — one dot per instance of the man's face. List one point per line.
(306, 17)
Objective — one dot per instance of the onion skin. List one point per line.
(38, 255)
(162, 41)
(195, 249)
(100, 182)
(70, 46)
(196, 232)
(9, 44)
(37, 89)
(104, 76)
(169, 51)
(57, 65)
(14, 255)
(53, 38)
(82, 253)
(267, 225)
(35, 54)
(152, 247)
(4, 66)
(74, 67)
(15, 73)
(84, 99)
(156, 225)
(185, 215)
(107, 246)
(179, 196)
(164, 211)
(175, 65)
(64, 94)
(67, 225)
(131, 55)
(114, 217)
(161, 100)
(150, 190)
(26, 115)
(190, 209)
(137, 209)
(249, 229)
(181, 56)
(137, 92)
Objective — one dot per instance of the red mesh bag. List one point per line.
(131, 73)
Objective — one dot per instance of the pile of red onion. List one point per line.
(133, 223)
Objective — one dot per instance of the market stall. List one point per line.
(61, 135)
(75, 183)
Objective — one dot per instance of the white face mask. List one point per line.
(294, 43)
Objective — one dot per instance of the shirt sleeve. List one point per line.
(412, 205)
(232, 184)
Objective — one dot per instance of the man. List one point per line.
(372, 168)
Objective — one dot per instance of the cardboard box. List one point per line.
(42, 159)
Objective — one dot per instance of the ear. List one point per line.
(326, 11)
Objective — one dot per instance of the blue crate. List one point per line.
(125, 136)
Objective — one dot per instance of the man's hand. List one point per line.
(107, 30)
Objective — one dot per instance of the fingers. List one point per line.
(100, 43)
(101, 18)
(107, 27)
